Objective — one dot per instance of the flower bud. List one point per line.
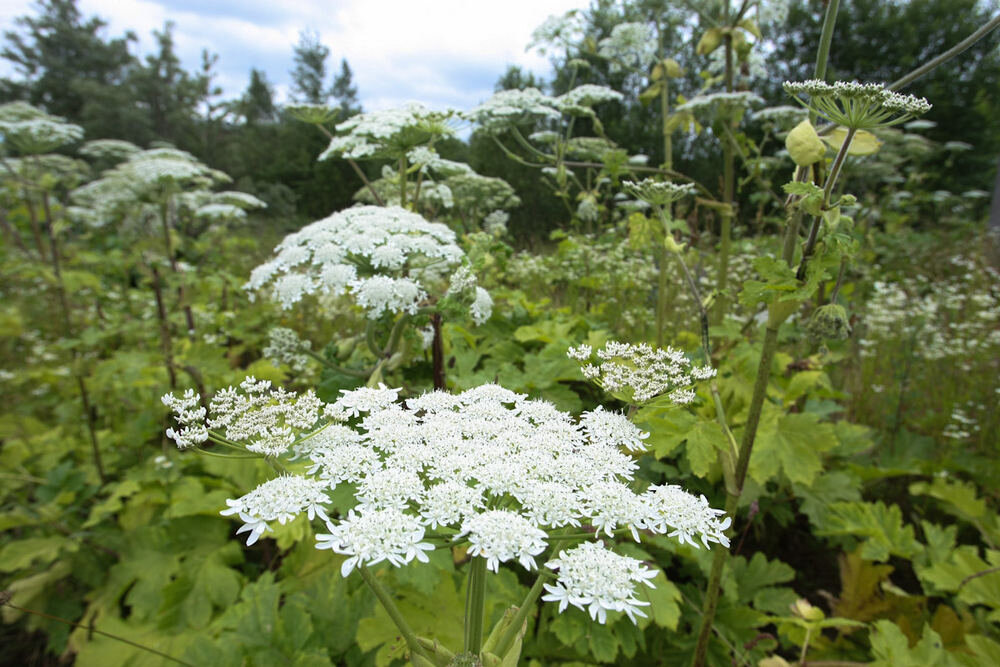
(804, 145)
(829, 322)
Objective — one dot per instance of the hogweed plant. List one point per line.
(488, 472)
(396, 266)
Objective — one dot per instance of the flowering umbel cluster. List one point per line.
(642, 372)
(384, 257)
(488, 468)
(858, 106)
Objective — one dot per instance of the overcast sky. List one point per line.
(438, 52)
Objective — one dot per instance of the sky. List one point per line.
(437, 52)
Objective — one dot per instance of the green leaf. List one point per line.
(664, 601)
(758, 573)
(975, 580)
(891, 648)
(825, 490)
(795, 442)
(20, 554)
(878, 526)
(704, 442)
(667, 428)
(602, 642)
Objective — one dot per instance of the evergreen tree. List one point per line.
(345, 92)
(170, 95)
(309, 75)
(257, 103)
(67, 67)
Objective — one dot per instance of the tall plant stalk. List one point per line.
(768, 348)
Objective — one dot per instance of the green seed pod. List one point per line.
(346, 347)
(395, 361)
(829, 322)
(804, 145)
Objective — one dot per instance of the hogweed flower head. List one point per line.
(857, 106)
(642, 372)
(597, 580)
(658, 193)
(497, 470)
(384, 257)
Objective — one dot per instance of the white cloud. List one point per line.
(439, 52)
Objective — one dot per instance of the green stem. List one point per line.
(728, 194)
(831, 180)
(402, 181)
(508, 637)
(825, 39)
(475, 606)
(390, 607)
(394, 335)
(988, 27)
(770, 345)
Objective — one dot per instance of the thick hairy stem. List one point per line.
(475, 605)
(68, 331)
(507, 638)
(930, 65)
(437, 354)
(166, 343)
(36, 229)
(831, 181)
(728, 193)
(825, 39)
(397, 617)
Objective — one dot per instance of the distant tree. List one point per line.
(515, 78)
(309, 75)
(345, 92)
(170, 95)
(257, 103)
(67, 67)
(965, 92)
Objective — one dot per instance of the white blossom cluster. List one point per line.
(382, 256)
(783, 116)
(495, 222)
(642, 371)
(658, 193)
(388, 132)
(942, 318)
(109, 149)
(720, 101)
(280, 499)
(285, 347)
(857, 105)
(630, 47)
(31, 130)
(512, 107)
(487, 468)
(266, 418)
(136, 186)
(595, 579)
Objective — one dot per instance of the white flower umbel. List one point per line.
(597, 580)
(280, 499)
(503, 535)
(388, 133)
(374, 536)
(488, 467)
(285, 347)
(268, 420)
(857, 106)
(682, 515)
(642, 372)
(399, 254)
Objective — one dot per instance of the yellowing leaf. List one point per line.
(804, 145)
(864, 143)
(709, 42)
